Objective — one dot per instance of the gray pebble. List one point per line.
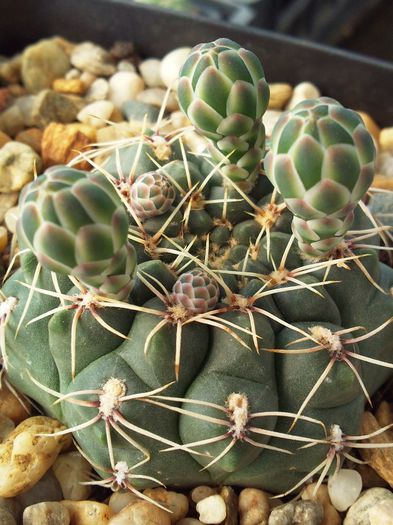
(297, 513)
(134, 110)
(6, 518)
(358, 513)
(47, 489)
(51, 106)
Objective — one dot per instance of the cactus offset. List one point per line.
(189, 339)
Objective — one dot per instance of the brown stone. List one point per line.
(11, 407)
(32, 137)
(5, 97)
(280, 94)
(16, 90)
(71, 86)
(384, 414)
(50, 106)
(380, 459)
(4, 138)
(10, 70)
(383, 181)
(61, 143)
(231, 503)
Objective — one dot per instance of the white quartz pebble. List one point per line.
(344, 488)
(150, 71)
(96, 113)
(171, 64)
(123, 86)
(303, 91)
(381, 513)
(212, 510)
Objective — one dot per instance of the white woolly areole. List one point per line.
(7, 306)
(110, 400)
(121, 472)
(337, 435)
(237, 406)
(327, 338)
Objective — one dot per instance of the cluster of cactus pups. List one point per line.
(201, 319)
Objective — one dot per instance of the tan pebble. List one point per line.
(303, 91)
(212, 510)
(156, 97)
(195, 142)
(380, 459)
(254, 507)
(16, 90)
(141, 513)
(87, 78)
(116, 116)
(88, 512)
(72, 86)
(18, 164)
(11, 121)
(3, 241)
(7, 201)
(371, 125)
(72, 469)
(65, 44)
(179, 120)
(5, 97)
(25, 456)
(97, 113)
(330, 514)
(383, 182)
(231, 503)
(122, 130)
(150, 71)
(32, 137)
(11, 407)
(72, 74)
(175, 502)
(119, 500)
(11, 218)
(11, 69)
(202, 492)
(6, 424)
(4, 138)
(280, 93)
(46, 513)
(384, 414)
(386, 139)
(382, 513)
(61, 143)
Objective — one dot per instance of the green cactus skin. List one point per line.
(322, 163)
(223, 91)
(206, 353)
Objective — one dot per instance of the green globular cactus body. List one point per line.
(322, 163)
(225, 350)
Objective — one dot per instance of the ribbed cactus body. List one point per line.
(322, 162)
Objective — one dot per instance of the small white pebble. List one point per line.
(123, 86)
(119, 500)
(98, 90)
(11, 217)
(150, 71)
(126, 65)
(171, 64)
(303, 91)
(212, 510)
(88, 78)
(72, 73)
(344, 488)
(96, 113)
(156, 97)
(381, 513)
(269, 120)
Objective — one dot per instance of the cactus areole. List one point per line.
(214, 318)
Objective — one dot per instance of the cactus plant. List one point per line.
(205, 345)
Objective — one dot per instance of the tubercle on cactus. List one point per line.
(200, 263)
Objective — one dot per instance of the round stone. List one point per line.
(212, 510)
(171, 64)
(344, 488)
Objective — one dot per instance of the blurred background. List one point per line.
(364, 26)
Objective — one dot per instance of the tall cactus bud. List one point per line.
(322, 162)
(223, 91)
(75, 224)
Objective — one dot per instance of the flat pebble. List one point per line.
(171, 64)
(157, 96)
(18, 163)
(96, 113)
(303, 91)
(120, 499)
(254, 507)
(71, 469)
(50, 106)
(173, 501)
(88, 512)
(141, 513)
(344, 488)
(297, 513)
(212, 509)
(25, 456)
(93, 58)
(359, 512)
(46, 513)
(123, 86)
(150, 71)
(73, 86)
